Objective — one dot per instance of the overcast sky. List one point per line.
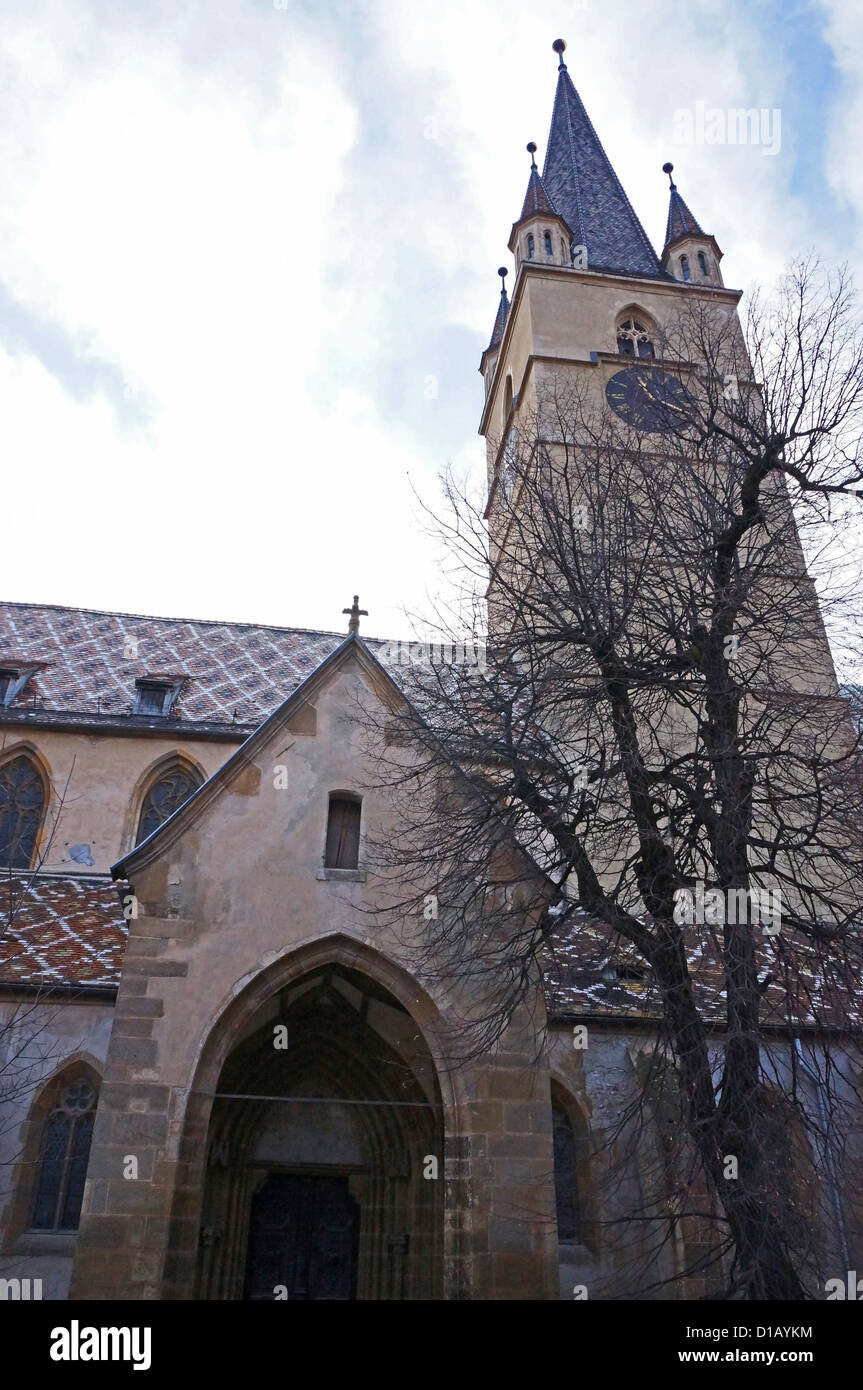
(239, 240)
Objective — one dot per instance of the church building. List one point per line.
(220, 1078)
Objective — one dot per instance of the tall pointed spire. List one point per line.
(584, 189)
(680, 220)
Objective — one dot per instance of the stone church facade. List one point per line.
(219, 1077)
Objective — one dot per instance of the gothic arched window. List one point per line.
(702, 263)
(530, 247)
(569, 1214)
(684, 268)
(633, 339)
(63, 1157)
(174, 785)
(342, 849)
(22, 802)
(548, 243)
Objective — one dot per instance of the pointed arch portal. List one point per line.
(324, 1166)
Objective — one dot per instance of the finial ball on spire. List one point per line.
(503, 272)
(667, 168)
(559, 46)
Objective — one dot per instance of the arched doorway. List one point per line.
(324, 1175)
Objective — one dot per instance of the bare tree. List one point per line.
(656, 764)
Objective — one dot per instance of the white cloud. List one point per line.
(241, 209)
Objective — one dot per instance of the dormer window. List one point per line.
(633, 339)
(684, 268)
(702, 263)
(154, 696)
(13, 680)
(530, 247)
(548, 243)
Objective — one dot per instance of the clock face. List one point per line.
(648, 399)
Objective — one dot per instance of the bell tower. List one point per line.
(589, 288)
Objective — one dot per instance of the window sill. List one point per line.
(341, 875)
(44, 1243)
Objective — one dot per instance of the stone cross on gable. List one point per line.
(355, 614)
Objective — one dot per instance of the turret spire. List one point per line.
(680, 220)
(535, 199)
(502, 311)
(583, 188)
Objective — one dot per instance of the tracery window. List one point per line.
(22, 801)
(633, 339)
(173, 786)
(64, 1153)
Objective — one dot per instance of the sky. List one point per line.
(248, 256)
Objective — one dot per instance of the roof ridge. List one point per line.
(162, 618)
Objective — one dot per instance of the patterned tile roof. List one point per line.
(595, 971)
(585, 190)
(88, 661)
(59, 929)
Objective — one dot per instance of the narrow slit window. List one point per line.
(702, 263)
(343, 833)
(548, 243)
(530, 248)
(684, 268)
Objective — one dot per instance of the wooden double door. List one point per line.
(303, 1239)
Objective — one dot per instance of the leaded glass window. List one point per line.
(166, 795)
(63, 1159)
(22, 801)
